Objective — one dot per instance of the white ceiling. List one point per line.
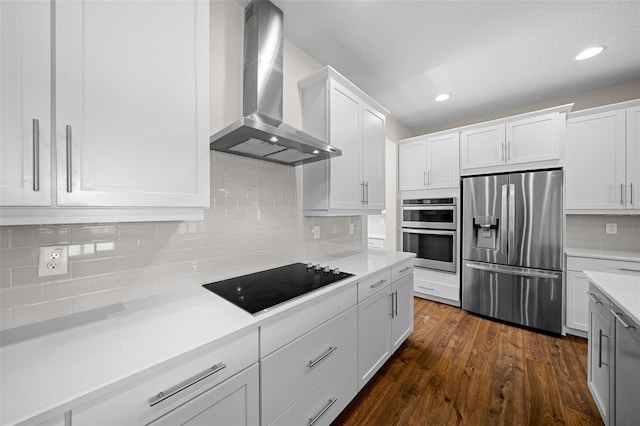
(489, 55)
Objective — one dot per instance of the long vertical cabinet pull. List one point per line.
(366, 185)
(395, 310)
(391, 296)
(36, 154)
(69, 170)
(622, 194)
(67, 418)
(362, 195)
(600, 336)
(424, 178)
(631, 197)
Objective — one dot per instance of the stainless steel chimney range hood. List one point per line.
(261, 133)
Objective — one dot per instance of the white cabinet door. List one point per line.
(25, 109)
(595, 164)
(577, 301)
(483, 147)
(373, 148)
(131, 103)
(412, 165)
(402, 322)
(442, 161)
(374, 331)
(346, 186)
(533, 139)
(633, 157)
(234, 403)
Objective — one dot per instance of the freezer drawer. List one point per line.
(528, 297)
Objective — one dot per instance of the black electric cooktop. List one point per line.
(262, 290)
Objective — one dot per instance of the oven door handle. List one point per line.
(429, 207)
(428, 231)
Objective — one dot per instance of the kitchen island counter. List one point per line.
(623, 290)
(50, 367)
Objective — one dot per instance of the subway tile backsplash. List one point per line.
(255, 222)
(588, 231)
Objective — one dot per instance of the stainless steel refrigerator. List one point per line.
(512, 230)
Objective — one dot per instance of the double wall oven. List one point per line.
(429, 230)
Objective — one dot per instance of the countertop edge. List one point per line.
(603, 281)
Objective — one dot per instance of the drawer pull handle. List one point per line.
(314, 419)
(378, 284)
(593, 298)
(323, 356)
(629, 270)
(619, 318)
(185, 384)
(403, 270)
(427, 288)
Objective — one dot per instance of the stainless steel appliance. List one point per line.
(257, 292)
(261, 132)
(429, 231)
(512, 232)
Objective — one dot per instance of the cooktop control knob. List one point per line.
(317, 267)
(309, 265)
(336, 271)
(327, 269)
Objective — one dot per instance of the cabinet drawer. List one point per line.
(603, 265)
(437, 290)
(598, 300)
(401, 270)
(327, 399)
(297, 367)
(288, 326)
(130, 403)
(373, 283)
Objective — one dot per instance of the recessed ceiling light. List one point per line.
(316, 152)
(442, 97)
(273, 139)
(589, 53)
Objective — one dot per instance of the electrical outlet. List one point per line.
(352, 228)
(611, 228)
(53, 260)
(316, 232)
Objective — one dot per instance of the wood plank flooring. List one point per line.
(460, 369)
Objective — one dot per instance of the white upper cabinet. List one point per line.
(25, 111)
(336, 111)
(131, 112)
(528, 141)
(429, 162)
(603, 159)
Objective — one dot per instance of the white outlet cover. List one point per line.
(56, 255)
(611, 228)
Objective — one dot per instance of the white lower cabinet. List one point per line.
(598, 352)
(207, 382)
(385, 318)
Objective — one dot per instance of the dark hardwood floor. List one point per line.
(458, 368)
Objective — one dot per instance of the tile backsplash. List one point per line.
(588, 231)
(255, 222)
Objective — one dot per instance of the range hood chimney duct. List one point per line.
(261, 133)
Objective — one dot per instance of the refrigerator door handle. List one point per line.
(504, 224)
(511, 243)
(525, 272)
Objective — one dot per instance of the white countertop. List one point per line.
(50, 367)
(623, 290)
(603, 254)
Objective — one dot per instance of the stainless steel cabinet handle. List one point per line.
(427, 288)
(509, 151)
(314, 419)
(366, 200)
(329, 351)
(36, 154)
(391, 296)
(395, 311)
(622, 194)
(69, 147)
(185, 384)
(631, 187)
(600, 336)
(403, 270)
(378, 284)
(628, 270)
(67, 418)
(593, 298)
(424, 178)
(428, 177)
(619, 318)
(362, 185)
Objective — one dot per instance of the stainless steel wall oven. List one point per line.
(429, 231)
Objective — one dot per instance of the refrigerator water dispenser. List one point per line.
(486, 231)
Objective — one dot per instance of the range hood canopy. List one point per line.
(261, 133)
